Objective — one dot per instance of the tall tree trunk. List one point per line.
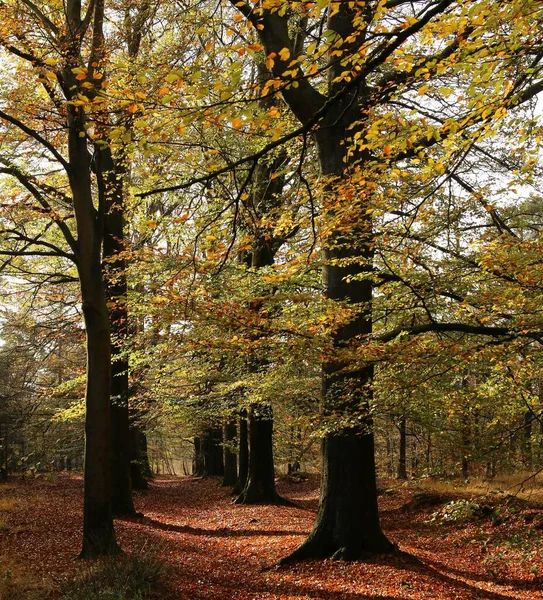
(98, 532)
(110, 186)
(229, 456)
(347, 524)
(348, 520)
(260, 485)
(212, 451)
(198, 458)
(243, 470)
(402, 464)
(208, 454)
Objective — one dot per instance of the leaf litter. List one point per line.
(219, 551)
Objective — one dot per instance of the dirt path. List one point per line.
(219, 551)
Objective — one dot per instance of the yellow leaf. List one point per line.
(269, 60)
(237, 123)
(284, 54)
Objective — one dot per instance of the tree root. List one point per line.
(317, 548)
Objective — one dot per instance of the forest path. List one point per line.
(219, 551)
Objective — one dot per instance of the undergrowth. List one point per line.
(125, 577)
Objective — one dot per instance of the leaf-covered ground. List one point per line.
(215, 550)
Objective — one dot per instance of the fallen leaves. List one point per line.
(216, 550)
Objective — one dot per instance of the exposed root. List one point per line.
(316, 547)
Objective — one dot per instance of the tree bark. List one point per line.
(140, 468)
(98, 531)
(243, 470)
(212, 451)
(110, 187)
(208, 454)
(465, 445)
(260, 485)
(347, 523)
(526, 443)
(229, 456)
(198, 458)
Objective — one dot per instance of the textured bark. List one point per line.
(98, 532)
(110, 186)
(229, 457)
(121, 476)
(243, 470)
(347, 525)
(260, 485)
(465, 445)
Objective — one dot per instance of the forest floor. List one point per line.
(483, 548)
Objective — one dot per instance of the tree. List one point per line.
(70, 77)
(369, 65)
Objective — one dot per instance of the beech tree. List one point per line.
(373, 58)
(67, 77)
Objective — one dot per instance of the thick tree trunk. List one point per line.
(260, 485)
(98, 532)
(198, 458)
(122, 500)
(243, 452)
(402, 463)
(140, 468)
(229, 456)
(347, 524)
(212, 451)
(110, 187)
(208, 454)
